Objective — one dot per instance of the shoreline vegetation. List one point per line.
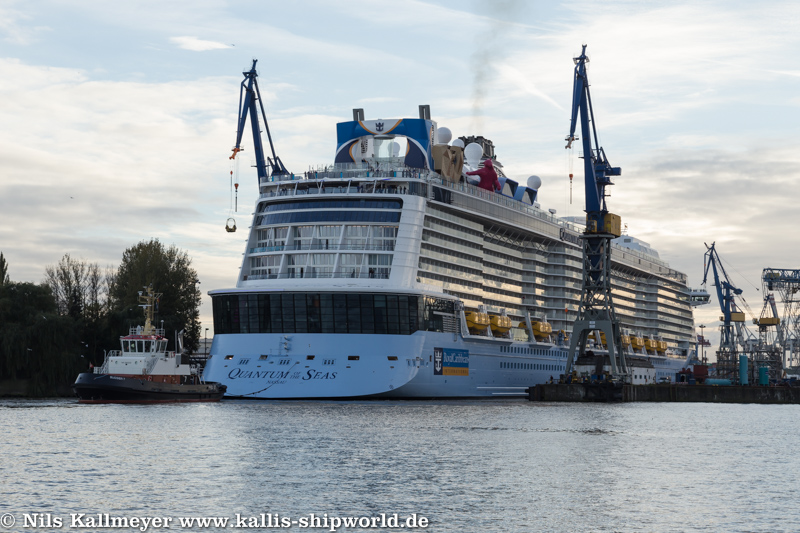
(52, 331)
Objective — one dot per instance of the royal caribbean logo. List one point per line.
(569, 237)
(450, 362)
(379, 126)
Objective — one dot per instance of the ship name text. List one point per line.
(237, 373)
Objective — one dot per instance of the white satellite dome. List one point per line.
(458, 142)
(534, 182)
(444, 135)
(473, 153)
(395, 149)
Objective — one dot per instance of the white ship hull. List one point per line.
(387, 366)
(274, 366)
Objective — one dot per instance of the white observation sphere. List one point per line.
(458, 142)
(473, 153)
(534, 182)
(444, 135)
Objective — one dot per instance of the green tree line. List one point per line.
(52, 331)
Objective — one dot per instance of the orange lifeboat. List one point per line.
(541, 330)
(500, 323)
(477, 320)
(637, 342)
(592, 337)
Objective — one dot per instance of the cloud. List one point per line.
(515, 77)
(379, 100)
(792, 73)
(15, 31)
(197, 45)
(108, 171)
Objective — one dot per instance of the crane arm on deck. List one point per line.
(248, 96)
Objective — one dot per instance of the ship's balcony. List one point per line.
(351, 171)
(386, 247)
(309, 273)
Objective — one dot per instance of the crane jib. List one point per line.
(249, 95)
(597, 170)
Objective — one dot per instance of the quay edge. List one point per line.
(587, 392)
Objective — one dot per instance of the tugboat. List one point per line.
(143, 371)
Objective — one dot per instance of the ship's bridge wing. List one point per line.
(358, 140)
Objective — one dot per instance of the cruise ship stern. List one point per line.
(303, 366)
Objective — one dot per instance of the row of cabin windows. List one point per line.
(327, 235)
(392, 314)
(328, 216)
(267, 207)
(531, 366)
(263, 357)
(142, 346)
(531, 351)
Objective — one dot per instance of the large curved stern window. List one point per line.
(352, 313)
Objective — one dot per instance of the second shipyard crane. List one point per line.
(731, 339)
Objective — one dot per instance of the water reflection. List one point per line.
(467, 466)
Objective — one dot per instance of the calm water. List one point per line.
(466, 466)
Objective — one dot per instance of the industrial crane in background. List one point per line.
(248, 96)
(596, 308)
(730, 342)
(787, 327)
(742, 357)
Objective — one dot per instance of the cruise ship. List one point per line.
(389, 274)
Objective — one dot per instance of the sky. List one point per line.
(118, 117)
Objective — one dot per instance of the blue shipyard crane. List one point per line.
(248, 96)
(726, 291)
(731, 343)
(596, 308)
